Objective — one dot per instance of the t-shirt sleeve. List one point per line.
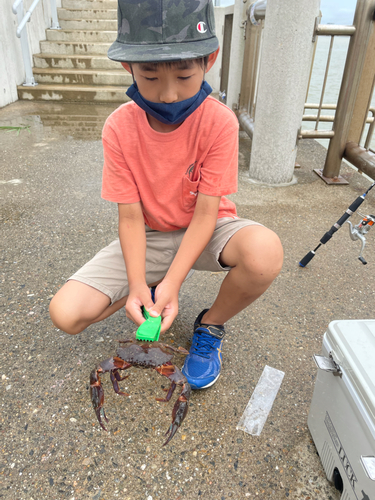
(118, 183)
(219, 172)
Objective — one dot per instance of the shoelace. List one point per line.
(204, 343)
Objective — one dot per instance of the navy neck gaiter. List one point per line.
(171, 113)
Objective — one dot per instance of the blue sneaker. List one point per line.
(203, 364)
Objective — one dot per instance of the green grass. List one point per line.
(16, 129)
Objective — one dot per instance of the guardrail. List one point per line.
(21, 33)
(354, 102)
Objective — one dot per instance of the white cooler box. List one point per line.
(342, 413)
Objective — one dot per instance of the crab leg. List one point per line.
(181, 406)
(116, 378)
(96, 390)
(170, 391)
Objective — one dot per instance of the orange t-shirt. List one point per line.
(165, 171)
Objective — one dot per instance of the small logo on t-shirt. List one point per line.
(190, 170)
(201, 27)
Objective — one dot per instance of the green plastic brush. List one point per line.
(149, 330)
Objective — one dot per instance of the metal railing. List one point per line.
(253, 26)
(316, 134)
(353, 109)
(21, 33)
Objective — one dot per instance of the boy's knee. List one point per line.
(62, 319)
(265, 256)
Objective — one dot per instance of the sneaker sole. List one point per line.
(208, 385)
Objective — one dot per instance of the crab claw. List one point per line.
(179, 412)
(97, 397)
(98, 412)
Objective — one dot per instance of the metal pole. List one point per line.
(364, 23)
(334, 30)
(371, 128)
(316, 134)
(29, 77)
(250, 67)
(365, 92)
(26, 18)
(236, 57)
(324, 82)
(55, 19)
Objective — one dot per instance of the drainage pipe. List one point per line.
(257, 11)
(246, 122)
(361, 158)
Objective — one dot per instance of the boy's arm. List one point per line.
(133, 243)
(196, 238)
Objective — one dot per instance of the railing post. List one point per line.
(346, 125)
(236, 56)
(55, 19)
(29, 77)
(365, 91)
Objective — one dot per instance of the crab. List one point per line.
(154, 355)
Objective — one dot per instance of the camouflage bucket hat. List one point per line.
(164, 30)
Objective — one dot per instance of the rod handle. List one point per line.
(307, 258)
(356, 203)
(329, 234)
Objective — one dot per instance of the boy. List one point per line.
(170, 156)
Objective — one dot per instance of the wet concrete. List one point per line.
(53, 221)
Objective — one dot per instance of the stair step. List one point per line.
(66, 61)
(79, 14)
(80, 93)
(82, 36)
(83, 76)
(89, 4)
(93, 48)
(89, 24)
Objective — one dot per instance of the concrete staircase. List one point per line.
(73, 63)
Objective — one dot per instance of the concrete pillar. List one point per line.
(236, 55)
(283, 78)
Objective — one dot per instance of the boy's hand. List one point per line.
(139, 295)
(166, 303)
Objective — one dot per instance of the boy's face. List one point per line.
(166, 84)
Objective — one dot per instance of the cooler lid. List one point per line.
(353, 348)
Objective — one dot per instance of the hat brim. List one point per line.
(161, 52)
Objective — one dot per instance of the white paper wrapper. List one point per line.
(256, 412)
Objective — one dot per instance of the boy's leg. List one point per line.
(253, 256)
(77, 306)
(100, 287)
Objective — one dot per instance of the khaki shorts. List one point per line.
(107, 273)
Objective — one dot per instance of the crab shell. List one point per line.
(147, 355)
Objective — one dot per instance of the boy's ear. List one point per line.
(211, 59)
(126, 66)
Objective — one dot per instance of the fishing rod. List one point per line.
(328, 235)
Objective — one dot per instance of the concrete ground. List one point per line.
(52, 221)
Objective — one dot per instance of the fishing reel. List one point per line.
(359, 231)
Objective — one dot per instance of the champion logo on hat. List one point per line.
(201, 27)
